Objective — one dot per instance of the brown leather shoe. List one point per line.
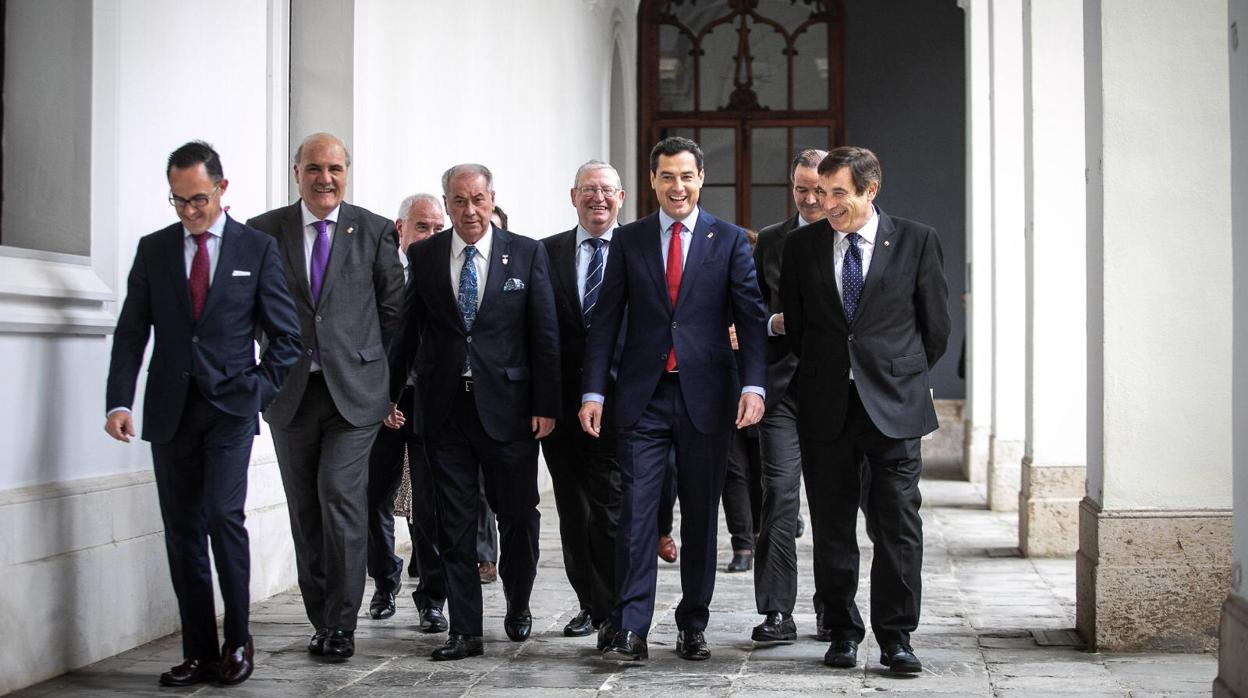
(667, 549)
(189, 673)
(237, 664)
(488, 572)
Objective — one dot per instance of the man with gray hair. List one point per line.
(420, 216)
(584, 470)
(348, 289)
(479, 330)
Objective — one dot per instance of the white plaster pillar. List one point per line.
(1155, 528)
(1008, 256)
(1055, 452)
(978, 415)
(1232, 670)
(322, 75)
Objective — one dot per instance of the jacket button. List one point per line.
(469, 339)
(186, 374)
(318, 318)
(308, 352)
(851, 337)
(673, 325)
(194, 340)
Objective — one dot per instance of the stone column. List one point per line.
(1155, 527)
(1055, 452)
(1008, 256)
(977, 426)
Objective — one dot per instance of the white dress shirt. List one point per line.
(866, 245)
(584, 253)
(481, 261)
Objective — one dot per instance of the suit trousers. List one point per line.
(586, 479)
(741, 489)
(833, 490)
(667, 497)
(644, 450)
(324, 463)
(775, 556)
(201, 483)
(431, 587)
(461, 455)
(487, 529)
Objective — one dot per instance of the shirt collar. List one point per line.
(309, 218)
(690, 222)
(868, 230)
(217, 228)
(582, 234)
(482, 245)
(802, 221)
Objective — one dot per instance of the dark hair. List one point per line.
(502, 216)
(810, 157)
(864, 167)
(674, 145)
(192, 154)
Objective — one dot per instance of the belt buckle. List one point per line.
(467, 385)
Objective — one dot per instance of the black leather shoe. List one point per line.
(340, 643)
(518, 624)
(580, 625)
(317, 644)
(431, 619)
(382, 605)
(822, 632)
(900, 659)
(690, 644)
(842, 654)
(237, 664)
(626, 646)
(742, 561)
(776, 627)
(189, 673)
(606, 633)
(458, 647)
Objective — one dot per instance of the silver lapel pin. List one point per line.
(710, 235)
(350, 229)
(505, 259)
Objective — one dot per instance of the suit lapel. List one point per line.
(700, 241)
(437, 270)
(499, 271)
(564, 262)
(825, 262)
(292, 244)
(651, 239)
(226, 254)
(339, 248)
(881, 255)
(175, 253)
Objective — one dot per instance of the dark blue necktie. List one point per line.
(593, 279)
(468, 294)
(851, 276)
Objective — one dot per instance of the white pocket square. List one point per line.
(241, 272)
(513, 284)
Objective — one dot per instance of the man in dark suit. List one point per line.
(208, 286)
(420, 216)
(347, 283)
(680, 277)
(480, 332)
(866, 311)
(775, 561)
(584, 470)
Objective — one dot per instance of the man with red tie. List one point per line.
(677, 279)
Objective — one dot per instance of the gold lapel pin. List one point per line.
(350, 229)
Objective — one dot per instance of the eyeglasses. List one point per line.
(196, 202)
(607, 192)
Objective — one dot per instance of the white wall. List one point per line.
(1239, 206)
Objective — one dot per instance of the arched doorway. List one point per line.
(750, 80)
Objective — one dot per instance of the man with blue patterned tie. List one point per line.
(479, 331)
(584, 470)
(866, 312)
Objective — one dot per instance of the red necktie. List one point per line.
(199, 275)
(673, 280)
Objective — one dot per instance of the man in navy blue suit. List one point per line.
(679, 277)
(208, 286)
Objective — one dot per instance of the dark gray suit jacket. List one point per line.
(768, 253)
(358, 313)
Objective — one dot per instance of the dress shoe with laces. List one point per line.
(626, 646)
(691, 644)
(606, 633)
(776, 627)
(487, 571)
(190, 672)
(237, 664)
(742, 561)
(316, 645)
(842, 654)
(431, 619)
(900, 659)
(458, 647)
(382, 605)
(340, 643)
(667, 549)
(518, 624)
(581, 624)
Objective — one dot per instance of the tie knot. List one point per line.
(595, 243)
(200, 239)
(678, 228)
(470, 252)
(853, 238)
(322, 227)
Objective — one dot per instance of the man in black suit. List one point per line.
(480, 332)
(584, 470)
(866, 311)
(208, 286)
(347, 283)
(775, 560)
(420, 216)
(681, 277)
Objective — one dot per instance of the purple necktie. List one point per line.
(320, 258)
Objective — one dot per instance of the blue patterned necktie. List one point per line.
(593, 279)
(851, 276)
(468, 294)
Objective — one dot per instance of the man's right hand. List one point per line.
(590, 417)
(395, 419)
(777, 323)
(120, 425)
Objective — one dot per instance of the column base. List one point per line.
(1232, 681)
(1004, 473)
(1151, 579)
(1048, 509)
(975, 452)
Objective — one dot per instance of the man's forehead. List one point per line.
(601, 174)
(425, 209)
(469, 184)
(324, 152)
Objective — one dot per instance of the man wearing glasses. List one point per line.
(207, 285)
